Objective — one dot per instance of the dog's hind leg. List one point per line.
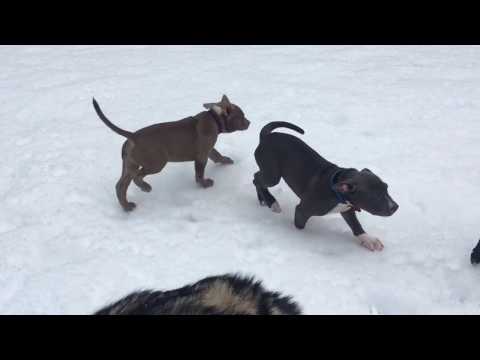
(268, 176)
(262, 182)
(129, 171)
(260, 196)
(138, 180)
(147, 170)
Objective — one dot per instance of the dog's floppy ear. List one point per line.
(215, 107)
(346, 187)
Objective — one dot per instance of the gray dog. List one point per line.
(322, 186)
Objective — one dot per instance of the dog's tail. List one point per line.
(107, 122)
(267, 129)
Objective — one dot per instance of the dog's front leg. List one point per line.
(199, 173)
(370, 242)
(216, 157)
(301, 217)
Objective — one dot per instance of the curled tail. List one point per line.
(107, 122)
(267, 129)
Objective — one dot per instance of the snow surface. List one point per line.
(410, 114)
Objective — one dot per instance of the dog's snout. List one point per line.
(393, 207)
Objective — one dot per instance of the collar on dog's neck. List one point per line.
(340, 197)
(218, 121)
(333, 180)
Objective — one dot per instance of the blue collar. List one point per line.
(339, 195)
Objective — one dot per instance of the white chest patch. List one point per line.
(339, 208)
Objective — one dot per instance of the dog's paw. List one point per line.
(226, 161)
(370, 242)
(206, 183)
(130, 206)
(146, 187)
(276, 208)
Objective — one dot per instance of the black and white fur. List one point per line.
(216, 295)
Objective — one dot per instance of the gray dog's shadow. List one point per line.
(322, 235)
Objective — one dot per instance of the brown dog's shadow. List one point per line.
(175, 191)
(170, 190)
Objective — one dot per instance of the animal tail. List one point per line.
(107, 122)
(267, 129)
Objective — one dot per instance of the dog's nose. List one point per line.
(393, 208)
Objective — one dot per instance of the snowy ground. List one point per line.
(410, 114)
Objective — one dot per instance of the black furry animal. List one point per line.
(475, 256)
(217, 295)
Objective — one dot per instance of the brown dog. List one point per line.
(148, 150)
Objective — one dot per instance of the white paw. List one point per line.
(370, 242)
(276, 207)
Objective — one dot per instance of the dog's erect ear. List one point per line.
(226, 104)
(225, 100)
(366, 170)
(215, 107)
(221, 108)
(345, 187)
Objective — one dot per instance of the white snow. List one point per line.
(409, 113)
